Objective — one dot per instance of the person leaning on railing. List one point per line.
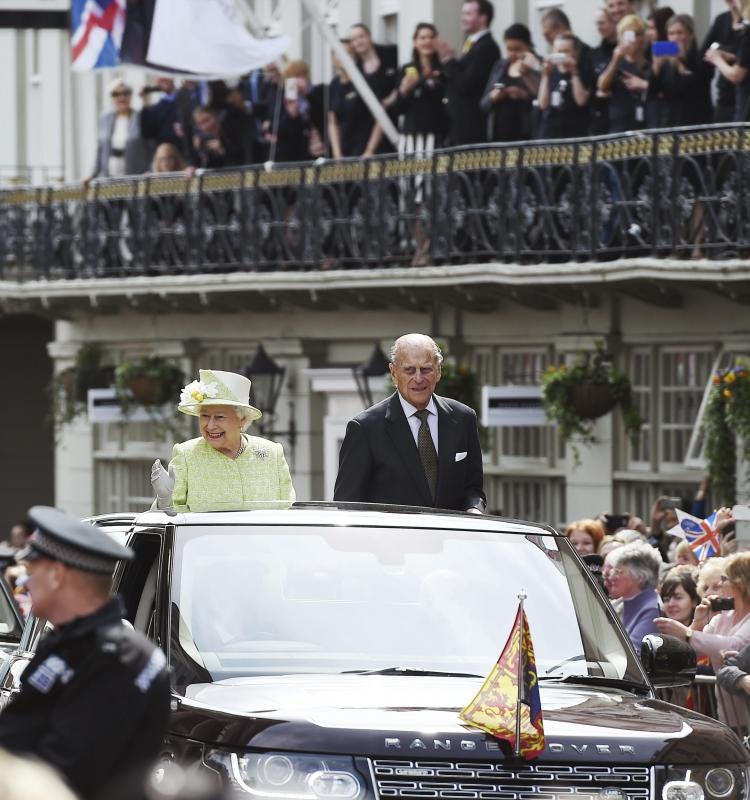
(728, 630)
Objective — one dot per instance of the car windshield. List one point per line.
(279, 600)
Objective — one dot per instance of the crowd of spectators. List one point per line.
(657, 584)
(643, 73)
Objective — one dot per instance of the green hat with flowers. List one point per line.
(217, 388)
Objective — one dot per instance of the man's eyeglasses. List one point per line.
(122, 93)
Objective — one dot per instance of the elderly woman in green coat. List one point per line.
(224, 468)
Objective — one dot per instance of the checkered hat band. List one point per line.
(58, 551)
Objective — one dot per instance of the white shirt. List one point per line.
(475, 37)
(415, 422)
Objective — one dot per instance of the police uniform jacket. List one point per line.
(93, 702)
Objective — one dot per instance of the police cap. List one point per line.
(61, 537)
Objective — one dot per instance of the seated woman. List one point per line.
(224, 468)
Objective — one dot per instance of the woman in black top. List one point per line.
(360, 134)
(563, 97)
(419, 99)
(626, 79)
(511, 88)
(683, 83)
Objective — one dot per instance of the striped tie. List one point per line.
(427, 452)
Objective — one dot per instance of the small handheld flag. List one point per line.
(508, 705)
(700, 534)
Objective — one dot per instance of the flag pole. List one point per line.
(355, 76)
(521, 597)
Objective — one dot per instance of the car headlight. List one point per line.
(725, 782)
(288, 776)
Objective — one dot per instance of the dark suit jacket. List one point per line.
(467, 77)
(379, 462)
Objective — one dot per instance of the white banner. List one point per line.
(203, 36)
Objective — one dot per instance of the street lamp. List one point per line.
(367, 373)
(267, 378)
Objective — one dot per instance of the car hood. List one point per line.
(416, 717)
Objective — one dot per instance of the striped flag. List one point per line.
(700, 534)
(508, 702)
(97, 30)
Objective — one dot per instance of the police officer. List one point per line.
(94, 700)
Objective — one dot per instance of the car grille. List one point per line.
(448, 780)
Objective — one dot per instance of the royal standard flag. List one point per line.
(502, 695)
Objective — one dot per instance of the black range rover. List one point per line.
(323, 652)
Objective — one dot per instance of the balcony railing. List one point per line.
(677, 193)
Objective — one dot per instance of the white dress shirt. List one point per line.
(415, 422)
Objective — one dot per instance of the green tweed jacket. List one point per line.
(207, 480)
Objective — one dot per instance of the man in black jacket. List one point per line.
(467, 75)
(94, 700)
(414, 448)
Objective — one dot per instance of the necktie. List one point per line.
(467, 46)
(427, 452)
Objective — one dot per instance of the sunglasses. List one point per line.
(122, 93)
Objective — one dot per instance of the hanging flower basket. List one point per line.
(574, 396)
(69, 388)
(592, 400)
(152, 381)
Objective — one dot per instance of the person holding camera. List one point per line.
(563, 96)
(680, 77)
(729, 629)
(626, 78)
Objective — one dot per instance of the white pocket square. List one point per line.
(460, 456)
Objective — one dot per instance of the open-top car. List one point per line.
(324, 651)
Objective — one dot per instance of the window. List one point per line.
(637, 497)
(641, 374)
(539, 499)
(123, 486)
(684, 374)
(524, 368)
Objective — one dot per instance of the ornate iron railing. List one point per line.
(680, 193)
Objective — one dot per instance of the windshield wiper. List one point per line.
(411, 671)
(599, 680)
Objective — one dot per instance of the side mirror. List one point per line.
(668, 661)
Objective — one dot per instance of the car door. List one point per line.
(11, 622)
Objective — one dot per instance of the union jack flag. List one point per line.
(97, 29)
(700, 534)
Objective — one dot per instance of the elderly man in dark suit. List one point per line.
(468, 75)
(414, 448)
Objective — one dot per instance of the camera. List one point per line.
(498, 86)
(667, 503)
(722, 604)
(557, 58)
(629, 37)
(613, 522)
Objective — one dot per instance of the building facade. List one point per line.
(668, 321)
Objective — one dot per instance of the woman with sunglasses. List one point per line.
(120, 148)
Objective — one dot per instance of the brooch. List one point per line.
(260, 453)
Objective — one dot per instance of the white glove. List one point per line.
(163, 483)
